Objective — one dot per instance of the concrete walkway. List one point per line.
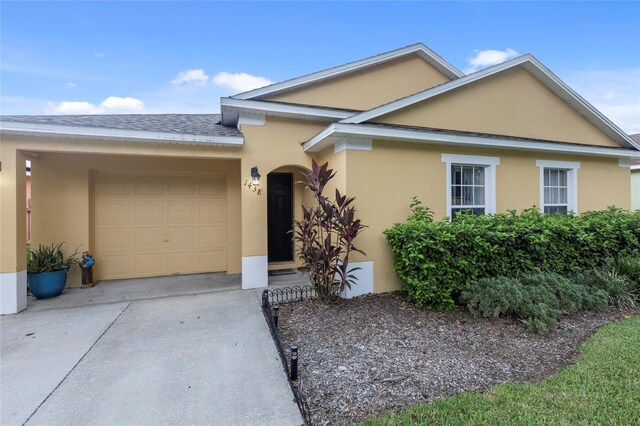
(203, 358)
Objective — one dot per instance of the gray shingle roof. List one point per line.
(192, 124)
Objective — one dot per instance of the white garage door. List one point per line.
(149, 225)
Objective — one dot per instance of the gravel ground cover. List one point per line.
(362, 356)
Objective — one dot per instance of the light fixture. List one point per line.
(255, 176)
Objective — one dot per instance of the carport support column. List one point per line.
(13, 274)
(254, 232)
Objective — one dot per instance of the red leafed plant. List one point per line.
(325, 235)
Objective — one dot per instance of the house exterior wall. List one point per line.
(511, 103)
(270, 147)
(369, 87)
(383, 194)
(635, 189)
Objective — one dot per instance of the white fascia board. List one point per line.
(338, 130)
(553, 164)
(635, 167)
(231, 108)
(48, 130)
(535, 68)
(428, 54)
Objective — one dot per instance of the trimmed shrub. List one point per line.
(435, 260)
(535, 299)
(619, 288)
(564, 294)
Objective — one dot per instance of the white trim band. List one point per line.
(232, 109)
(255, 272)
(353, 144)
(364, 284)
(332, 133)
(13, 292)
(48, 130)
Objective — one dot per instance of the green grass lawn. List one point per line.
(602, 388)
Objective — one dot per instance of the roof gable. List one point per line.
(419, 49)
(512, 103)
(527, 63)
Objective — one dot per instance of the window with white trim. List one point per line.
(471, 183)
(467, 189)
(558, 186)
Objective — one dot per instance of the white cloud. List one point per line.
(487, 58)
(197, 77)
(71, 85)
(240, 82)
(110, 105)
(99, 55)
(113, 103)
(615, 93)
(73, 107)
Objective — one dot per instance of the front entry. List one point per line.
(280, 216)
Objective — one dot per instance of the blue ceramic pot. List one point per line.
(44, 285)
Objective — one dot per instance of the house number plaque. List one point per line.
(253, 188)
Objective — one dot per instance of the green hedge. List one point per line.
(435, 260)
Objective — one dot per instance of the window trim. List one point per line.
(572, 168)
(489, 163)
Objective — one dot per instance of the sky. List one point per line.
(181, 57)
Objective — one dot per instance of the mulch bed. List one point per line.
(374, 353)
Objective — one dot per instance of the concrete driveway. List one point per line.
(204, 358)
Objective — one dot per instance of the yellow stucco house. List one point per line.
(153, 195)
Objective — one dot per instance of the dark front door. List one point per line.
(280, 216)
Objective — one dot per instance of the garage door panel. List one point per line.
(150, 264)
(212, 211)
(212, 237)
(149, 238)
(182, 263)
(181, 211)
(181, 237)
(113, 240)
(111, 212)
(149, 185)
(149, 212)
(213, 261)
(212, 186)
(112, 184)
(159, 225)
(181, 185)
(114, 266)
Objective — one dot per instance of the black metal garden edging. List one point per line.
(270, 301)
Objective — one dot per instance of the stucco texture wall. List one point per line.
(385, 179)
(511, 103)
(12, 208)
(369, 87)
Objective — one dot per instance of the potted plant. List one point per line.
(47, 269)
